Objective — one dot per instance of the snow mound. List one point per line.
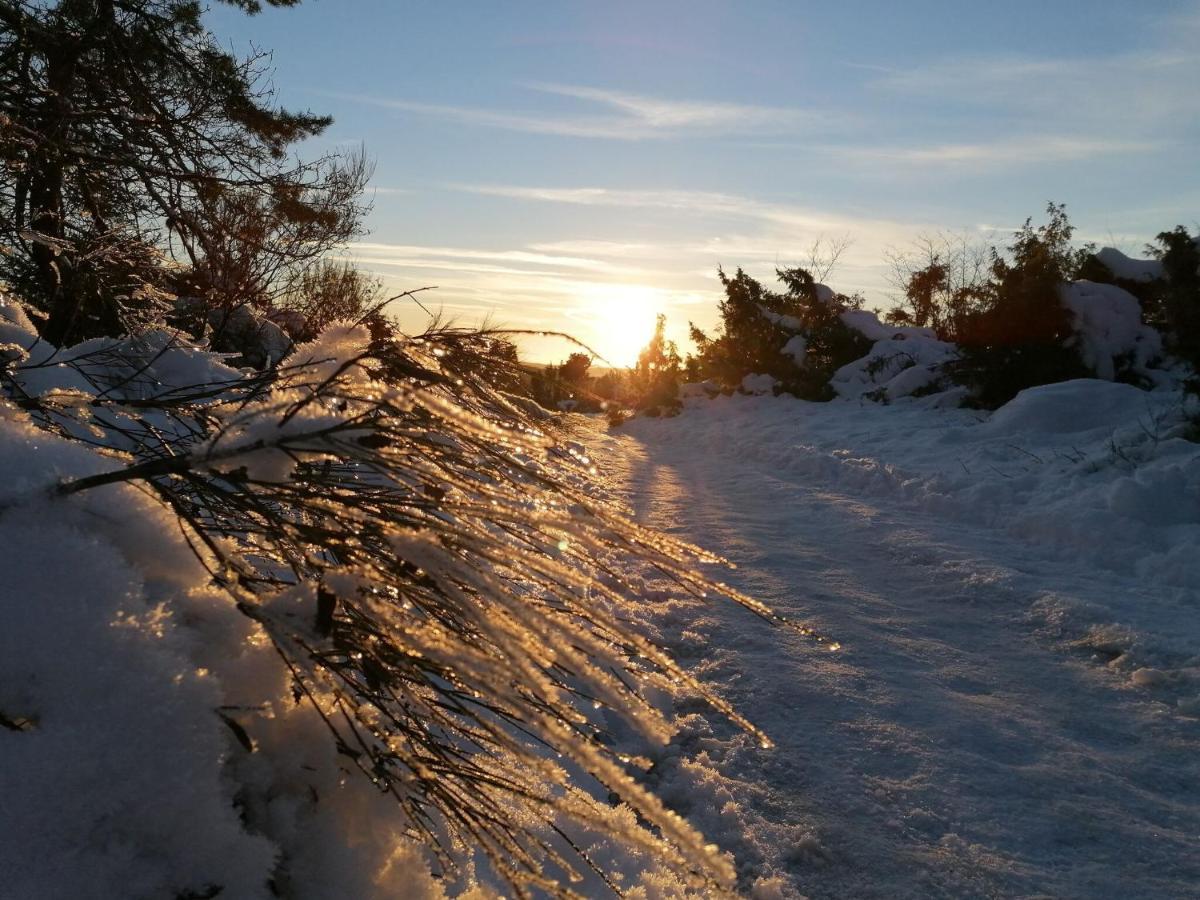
(758, 384)
(796, 348)
(868, 325)
(699, 390)
(895, 367)
(1128, 268)
(111, 761)
(1108, 325)
(1069, 407)
(123, 674)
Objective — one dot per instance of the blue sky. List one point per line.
(581, 166)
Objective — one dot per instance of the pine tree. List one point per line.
(139, 159)
(655, 379)
(757, 323)
(1180, 255)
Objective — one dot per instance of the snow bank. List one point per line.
(1094, 470)
(906, 360)
(1070, 407)
(1088, 478)
(152, 746)
(697, 390)
(120, 668)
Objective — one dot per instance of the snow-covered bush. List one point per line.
(1016, 333)
(248, 336)
(1167, 287)
(978, 325)
(1108, 330)
(364, 559)
(900, 365)
(799, 337)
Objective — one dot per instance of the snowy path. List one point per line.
(955, 747)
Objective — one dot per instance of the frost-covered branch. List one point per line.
(439, 579)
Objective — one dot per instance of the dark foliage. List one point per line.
(139, 161)
(941, 279)
(1180, 310)
(756, 324)
(1011, 327)
(654, 382)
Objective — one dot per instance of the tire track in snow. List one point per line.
(950, 749)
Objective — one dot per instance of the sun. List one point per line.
(620, 319)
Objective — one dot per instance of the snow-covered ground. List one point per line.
(164, 731)
(1013, 707)
(996, 691)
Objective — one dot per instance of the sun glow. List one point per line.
(620, 320)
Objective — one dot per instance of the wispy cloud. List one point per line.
(624, 116)
(674, 116)
(1022, 150)
(708, 203)
(696, 201)
(601, 248)
(409, 253)
(993, 110)
(744, 231)
(1153, 89)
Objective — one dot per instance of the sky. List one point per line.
(583, 166)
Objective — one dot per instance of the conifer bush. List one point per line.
(1179, 252)
(796, 335)
(653, 383)
(1012, 329)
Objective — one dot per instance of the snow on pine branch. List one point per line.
(436, 577)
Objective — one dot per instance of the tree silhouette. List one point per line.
(139, 159)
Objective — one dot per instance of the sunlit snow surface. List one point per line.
(1013, 710)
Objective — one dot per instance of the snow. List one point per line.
(796, 348)
(758, 384)
(697, 390)
(163, 736)
(1081, 405)
(1004, 699)
(1126, 267)
(1061, 464)
(1012, 710)
(126, 781)
(902, 360)
(1108, 322)
(114, 758)
(824, 293)
(791, 323)
(868, 325)
(895, 366)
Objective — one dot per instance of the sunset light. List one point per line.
(619, 319)
(652, 448)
